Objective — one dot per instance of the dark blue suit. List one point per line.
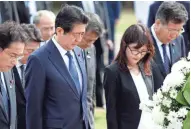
(52, 98)
(177, 51)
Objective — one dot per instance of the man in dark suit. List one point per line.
(94, 30)
(151, 19)
(168, 41)
(18, 70)
(56, 81)
(12, 42)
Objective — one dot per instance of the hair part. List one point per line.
(139, 34)
(11, 32)
(172, 12)
(69, 16)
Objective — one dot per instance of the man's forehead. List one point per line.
(79, 27)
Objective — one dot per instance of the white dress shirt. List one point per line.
(44, 42)
(66, 59)
(141, 87)
(159, 44)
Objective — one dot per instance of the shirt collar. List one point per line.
(60, 49)
(18, 65)
(159, 43)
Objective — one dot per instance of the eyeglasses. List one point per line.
(136, 52)
(77, 35)
(175, 31)
(14, 57)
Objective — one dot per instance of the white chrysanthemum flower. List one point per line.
(181, 64)
(174, 79)
(182, 112)
(173, 93)
(157, 97)
(175, 125)
(158, 115)
(146, 105)
(166, 88)
(172, 116)
(167, 102)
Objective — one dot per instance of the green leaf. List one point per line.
(180, 98)
(183, 96)
(186, 123)
(186, 91)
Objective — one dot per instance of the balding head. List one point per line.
(45, 21)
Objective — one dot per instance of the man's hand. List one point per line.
(110, 44)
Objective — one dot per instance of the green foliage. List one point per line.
(186, 123)
(183, 98)
(186, 92)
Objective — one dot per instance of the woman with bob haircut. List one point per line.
(128, 80)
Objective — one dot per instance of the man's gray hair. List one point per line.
(37, 16)
(95, 24)
(172, 11)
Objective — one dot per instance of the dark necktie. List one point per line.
(22, 75)
(4, 96)
(166, 60)
(73, 72)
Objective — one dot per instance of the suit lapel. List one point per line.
(131, 84)
(18, 82)
(9, 80)
(148, 81)
(158, 58)
(3, 108)
(9, 86)
(59, 64)
(80, 59)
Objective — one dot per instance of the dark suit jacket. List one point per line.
(177, 50)
(21, 101)
(122, 99)
(52, 100)
(23, 12)
(9, 121)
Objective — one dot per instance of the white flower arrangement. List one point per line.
(169, 108)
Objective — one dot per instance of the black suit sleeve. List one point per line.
(110, 85)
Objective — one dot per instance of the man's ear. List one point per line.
(59, 31)
(157, 23)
